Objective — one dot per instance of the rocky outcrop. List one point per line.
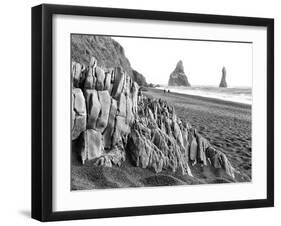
(223, 83)
(178, 76)
(92, 145)
(112, 119)
(161, 141)
(104, 107)
(150, 145)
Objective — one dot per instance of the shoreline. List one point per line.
(203, 97)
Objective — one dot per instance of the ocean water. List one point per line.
(234, 94)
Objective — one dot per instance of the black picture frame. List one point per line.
(42, 111)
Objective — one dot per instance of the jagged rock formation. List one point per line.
(223, 83)
(107, 51)
(160, 140)
(111, 119)
(178, 77)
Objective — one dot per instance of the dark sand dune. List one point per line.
(226, 125)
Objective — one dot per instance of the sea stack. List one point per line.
(178, 77)
(223, 83)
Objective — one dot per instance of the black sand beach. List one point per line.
(226, 125)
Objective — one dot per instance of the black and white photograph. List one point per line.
(135, 113)
(150, 112)
(142, 112)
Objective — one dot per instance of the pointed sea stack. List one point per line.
(178, 77)
(223, 83)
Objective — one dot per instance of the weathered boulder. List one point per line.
(122, 105)
(93, 108)
(93, 62)
(185, 142)
(78, 113)
(90, 80)
(223, 83)
(203, 145)
(79, 126)
(178, 76)
(76, 74)
(108, 132)
(214, 157)
(193, 146)
(105, 101)
(134, 90)
(227, 166)
(129, 109)
(121, 129)
(177, 133)
(118, 83)
(219, 160)
(100, 76)
(92, 145)
(79, 101)
(139, 149)
(107, 81)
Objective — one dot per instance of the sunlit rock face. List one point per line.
(178, 76)
(223, 83)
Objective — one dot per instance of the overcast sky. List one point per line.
(202, 60)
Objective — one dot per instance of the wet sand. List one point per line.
(226, 125)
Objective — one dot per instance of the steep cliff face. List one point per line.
(223, 83)
(178, 76)
(107, 51)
